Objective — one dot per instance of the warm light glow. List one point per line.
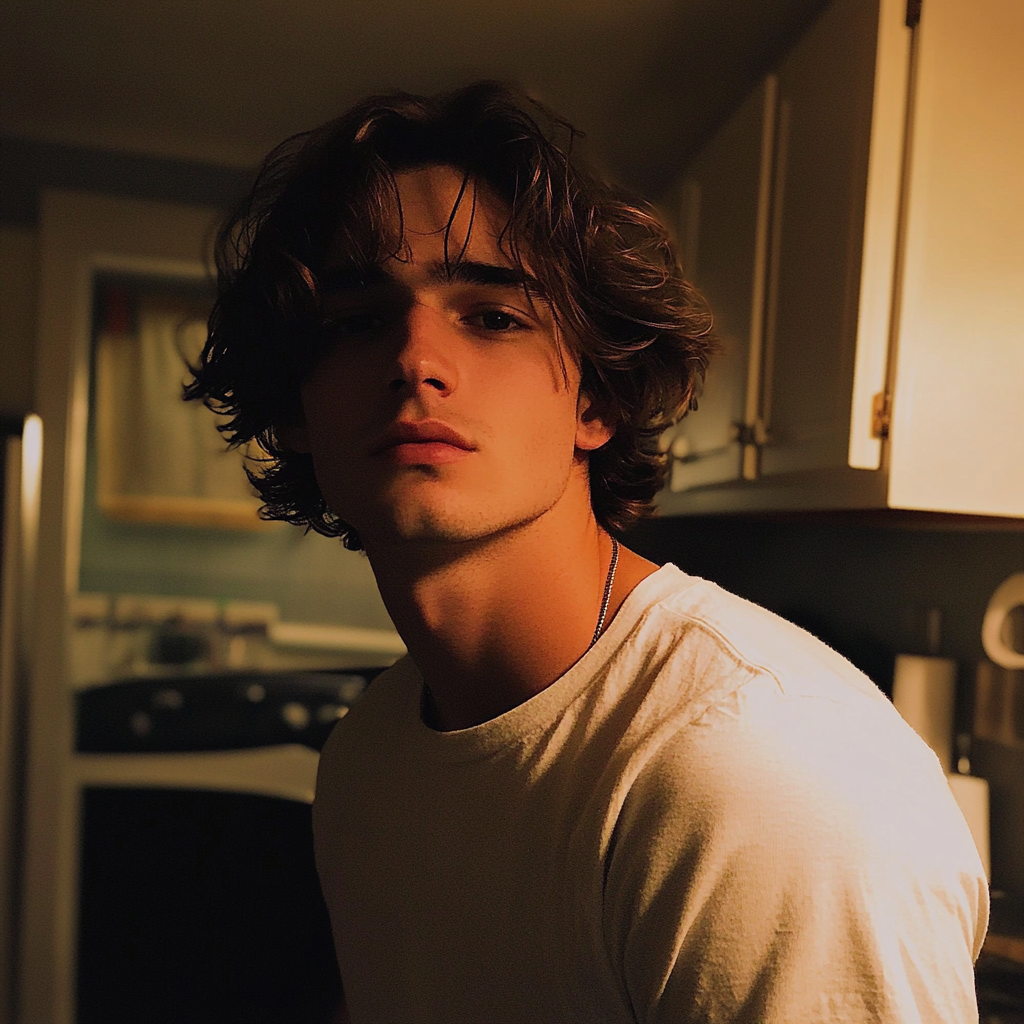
(31, 475)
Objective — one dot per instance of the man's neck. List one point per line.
(490, 624)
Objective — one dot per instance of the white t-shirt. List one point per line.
(711, 817)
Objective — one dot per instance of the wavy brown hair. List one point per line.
(641, 333)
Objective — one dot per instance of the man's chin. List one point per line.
(431, 517)
(438, 529)
(413, 534)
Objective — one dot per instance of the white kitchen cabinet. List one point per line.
(858, 228)
(723, 188)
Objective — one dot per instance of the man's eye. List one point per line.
(496, 320)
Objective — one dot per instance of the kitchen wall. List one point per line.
(310, 578)
(865, 590)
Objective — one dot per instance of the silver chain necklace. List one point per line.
(607, 591)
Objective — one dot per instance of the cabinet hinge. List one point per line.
(913, 13)
(881, 414)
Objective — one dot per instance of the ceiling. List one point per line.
(221, 81)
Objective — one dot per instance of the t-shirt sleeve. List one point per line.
(748, 881)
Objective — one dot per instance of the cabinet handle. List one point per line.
(750, 435)
(881, 415)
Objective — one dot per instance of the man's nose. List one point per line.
(425, 359)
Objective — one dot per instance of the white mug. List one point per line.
(1007, 596)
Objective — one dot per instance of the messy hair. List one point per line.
(639, 331)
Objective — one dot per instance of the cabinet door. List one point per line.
(719, 226)
(826, 86)
(957, 441)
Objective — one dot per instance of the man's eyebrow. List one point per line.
(477, 272)
(344, 278)
(348, 278)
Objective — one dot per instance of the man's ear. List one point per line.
(592, 430)
(294, 435)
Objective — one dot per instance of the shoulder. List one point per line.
(789, 812)
(775, 721)
(698, 612)
(358, 751)
(388, 703)
(694, 649)
(768, 856)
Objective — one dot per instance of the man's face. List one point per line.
(446, 408)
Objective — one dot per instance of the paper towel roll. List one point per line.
(971, 794)
(922, 691)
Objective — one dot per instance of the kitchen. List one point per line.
(872, 580)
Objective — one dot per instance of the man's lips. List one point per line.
(422, 441)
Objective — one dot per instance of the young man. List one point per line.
(596, 790)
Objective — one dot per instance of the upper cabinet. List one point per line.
(857, 226)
